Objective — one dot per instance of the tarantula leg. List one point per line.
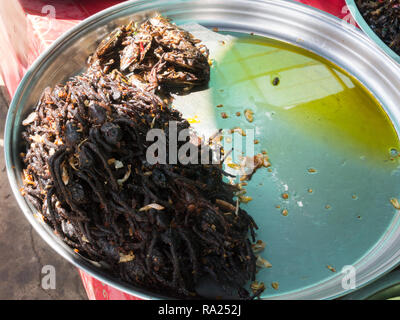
(95, 190)
(50, 208)
(97, 152)
(54, 172)
(192, 254)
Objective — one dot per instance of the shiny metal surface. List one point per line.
(286, 21)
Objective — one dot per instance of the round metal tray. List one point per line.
(351, 4)
(286, 21)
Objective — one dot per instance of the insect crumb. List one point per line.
(276, 81)
(245, 199)
(238, 130)
(249, 114)
(263, 263)
(257, 286)
(395, 203)
(258, 246)
(331, 268)
(275, 285)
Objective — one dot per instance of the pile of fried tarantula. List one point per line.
(162, 227)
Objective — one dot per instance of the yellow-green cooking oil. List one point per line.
(295, 92)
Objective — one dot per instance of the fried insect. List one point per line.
(158, 53)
